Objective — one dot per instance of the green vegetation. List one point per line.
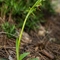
(18, 9)
(18, 41)
(21, 11)
(9, 29)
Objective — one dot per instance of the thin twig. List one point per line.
(7, 47)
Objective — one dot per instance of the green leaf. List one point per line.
(15, 6)
(34, 59)
(12, 28)
(23, 55)
(17, 49)
(16, 44)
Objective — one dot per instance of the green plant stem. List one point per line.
(30, 11)
(20, 36)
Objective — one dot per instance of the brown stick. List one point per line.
(47, 54)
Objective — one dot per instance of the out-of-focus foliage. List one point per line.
(9, 29)
(19, 9)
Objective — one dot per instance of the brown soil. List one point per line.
(42, 49)
(39, 46)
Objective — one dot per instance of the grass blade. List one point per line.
(22, 56)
